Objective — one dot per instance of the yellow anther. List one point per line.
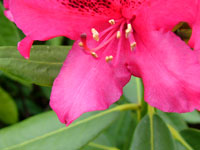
(128, 30)
(112, 21)
(94, 54)
(118, 34)
(95, 34)
(133, 45)
(80, 44)
(108, 58)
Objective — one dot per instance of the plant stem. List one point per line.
(151, 112)
(139, 98)
(179, 138)
(126, 107)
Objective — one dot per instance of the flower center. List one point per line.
(115, 31)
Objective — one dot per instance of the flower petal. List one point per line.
(24, 47)
(195, 40)
(45, 19)
(168, 13)
(88, 84)
(7, 12)
(170, 71)
(6, 4)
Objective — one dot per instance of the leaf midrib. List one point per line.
(32, 61)
(57, 131)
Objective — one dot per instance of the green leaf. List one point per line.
(152, 134)
(44, 132)
(173, 119)
(133, 90)
(102, 142)
(121, 133)
(179, 146)
(42, 67)
(8, 108)
(191, 117)
(55, 41)
(192, 137)
(8, 33)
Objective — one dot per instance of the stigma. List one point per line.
(117, 29)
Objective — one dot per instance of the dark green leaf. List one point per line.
(191, 117)
(152, 135)
(8, 108)
(133, 90)
(173, 119)
(192, 137)
(44, 132)
(179, 146)
(100, 140)
(55, 41)
(8, 32)
(120, 133)
(42, 67)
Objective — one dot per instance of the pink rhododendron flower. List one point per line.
(114, 40)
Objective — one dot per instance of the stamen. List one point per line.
(128, 30)
(131, 41)
(109, 29)
(95, 34)
(109, 58)
(117, 56)
(112, 21)
(105, 43)
(94, 54)
(133, 45)
(109, 34)
(118, 34)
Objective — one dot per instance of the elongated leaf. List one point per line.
(133, 90)
(55, 41)
(192, 137)
(99, 143)
(42, 67)
(8, 31)
(44, 132)
(120, 134)
(8, 108)
(179, 146)
(191, 117)
(152, 134)
(173, 119)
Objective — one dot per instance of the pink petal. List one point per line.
(45, 19)
(7, 12)
(9, 15)
(6, 3)
(170, 71)
(88, 84)
(24, 47)
(168, 13)
(195, 40)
